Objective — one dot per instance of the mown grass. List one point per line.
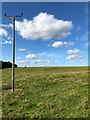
(46, 92)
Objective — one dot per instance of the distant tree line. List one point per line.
(6, 65)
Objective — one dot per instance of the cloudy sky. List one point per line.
(48, 34)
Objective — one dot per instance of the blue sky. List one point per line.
(48, 34)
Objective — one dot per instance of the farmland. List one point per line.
(46, 92)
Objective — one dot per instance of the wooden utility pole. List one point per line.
(13, 45)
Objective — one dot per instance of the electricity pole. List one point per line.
(13, 45)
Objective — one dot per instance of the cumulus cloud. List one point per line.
(74, 54)
(74, 57)
(6, 42)
(60, 44)
(6, 39)
(22, 49)
(44, 26)
(6, 25)
(9, 38)
(32, 56)
(74, 51)
(3, 32)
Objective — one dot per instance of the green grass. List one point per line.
(46, 92)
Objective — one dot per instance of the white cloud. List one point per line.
(22, 49)
(74, 57)
(32, 62)
(50, 62)
(6, 39)
(23, 61)
(82, 61)
(32, 56)
(42, 61)
(18, 57)
(60, 44)
(75, 54)
(38, 61)
(6, 25)
(3, 32)
(6, 42)
(45, 54)
(9, 38)
(44, 26)
(77, 38)
(42, 54)
(87, 44)
(74, 51)
(35, 61)
(78, 28)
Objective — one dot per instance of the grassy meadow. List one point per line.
(46, 92)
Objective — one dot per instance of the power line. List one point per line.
(13, 45)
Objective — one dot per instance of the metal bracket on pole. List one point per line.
(13, 45)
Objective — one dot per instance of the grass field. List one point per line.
(46, 92)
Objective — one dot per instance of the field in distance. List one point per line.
(46, 92)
